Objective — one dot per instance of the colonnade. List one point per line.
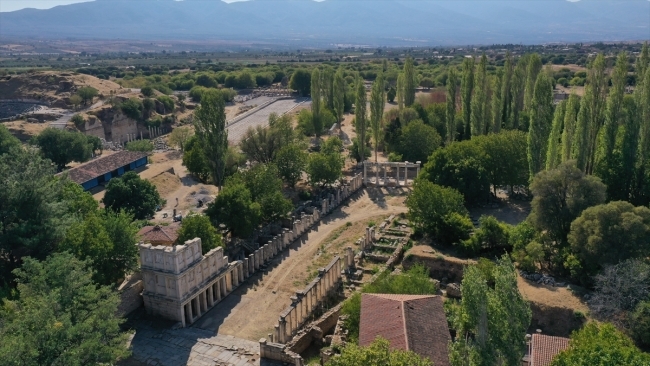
(307, 300)
(384, 166)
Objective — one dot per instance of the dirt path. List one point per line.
(252, 310)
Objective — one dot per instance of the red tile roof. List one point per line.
(543, 348)
(103, 165)
(159, 234)
(409, 322)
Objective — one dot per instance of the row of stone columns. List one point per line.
(206, 299)
(384, 166)
(154, 132)
(306, 301)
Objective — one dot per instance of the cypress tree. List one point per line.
(570, 120)
(553, 154)
(451, 105)
(597, 83)
(466, 90)
(643, 108)
(327, 81)
(629, 150)
(338, 94)
(614, 115)
(497, 102)
(642, 63)
(316, 101)
(541, 115)
(377, 103)
(534, 67)
(506, 90)
(479, 99)
(409, 82)
(518, 88)
(360, 116)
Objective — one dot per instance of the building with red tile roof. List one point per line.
(543, 348)
(159, 235)
(409, 322)
(101, 170)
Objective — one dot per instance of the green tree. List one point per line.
(147, 91)
(61, 317)
(418, 141)
(132, 194)
(506, 90)
(467, 90)
(391, 94)
(167, 102)
(107, 240)
(497, 103)
(508, 146)
(410, 82)
(491, 235)
(560, 196)
(143, 145)
(63, 147)
(541, 115)
(517, 92)
(452, 85)
(553, 152)
(377, 104)
(640, 320)
(291, 161)
(265, 185)
(324, 168)
(87, 94)
(301, 82)
(316, 102)
(210, 127)
(199, 226)
(478, 104)
(596, 89)
(75, 100)
(33, 219)
(615, 116)
(570, 118)
(7, 141)
(430, 205)
(235, 208)
(180, 136)
(361, 116)
(608, 234)
(534, 67)
(400, 91)
(643, 61)
(338, 95)
(600, 344)
(132, 108)
(497, 317)
(194, 159)
(624, 189)
(379, 354)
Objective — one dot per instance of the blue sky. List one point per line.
(11, 5)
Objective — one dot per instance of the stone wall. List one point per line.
(130, 296)
(181, 284)
(93, 127)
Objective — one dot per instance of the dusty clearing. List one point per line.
(24, 130)
(559, 297)
(252, 310)
(166, 183)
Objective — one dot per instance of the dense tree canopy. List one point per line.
(210, 127)
(199, 226)
(132, 194)
(291, 161)
(378, 354)
(301, 82)
(235, 208)
(63, 147)
(418, 141)
(7, 140)
(61, 317)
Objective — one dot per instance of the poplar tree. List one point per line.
(644, 114)
(553, 155)
(597, 84)
(581, 136)
(338, 95)
(377, 104)
(534, 67)
(642, 63)
(629, 150)
(570, 119)
(614, 115)
(410, 82)
(360, 117)
(316, 101)
(518, 88)
(479, 99)
(466, 90)
(451, 105)
(497, 101)
(327, 85)
(506, 89)
(210, 127)
(400, 91)
(541, 115)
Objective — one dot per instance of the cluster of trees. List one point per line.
(62, 146)
(84, 95)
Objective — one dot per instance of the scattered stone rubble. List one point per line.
(541, 279)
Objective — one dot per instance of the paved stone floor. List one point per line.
(156, 343)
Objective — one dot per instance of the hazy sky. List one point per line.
(11, 5)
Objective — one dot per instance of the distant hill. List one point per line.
(378, 22)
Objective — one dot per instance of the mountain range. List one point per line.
(303, 22)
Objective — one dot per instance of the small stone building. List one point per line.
(409, 322)
(180, 284)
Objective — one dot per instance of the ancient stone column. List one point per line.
(189, 311)
(283, 330)
(240, 270)
(364, 172)
(321, 284)
(210, 297)
(204, 301)
(228, 282)
(349, 258)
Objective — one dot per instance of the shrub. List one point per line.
(78, 120)
(147, 91)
